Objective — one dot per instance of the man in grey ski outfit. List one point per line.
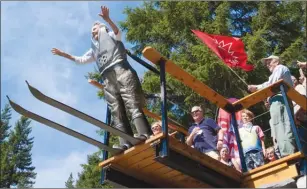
(122, 87)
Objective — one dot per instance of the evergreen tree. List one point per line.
(4, 147)
(16, 160)
(90, 176)
(70, 182)
(5, 126)
(22, 144)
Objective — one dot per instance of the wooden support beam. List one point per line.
(95, 83)
(295, 96)
(262, 94)
(171, 123)
(280, 173)
(264, 172)
(257, 96)
(188, 80)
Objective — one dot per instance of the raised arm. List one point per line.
(86, 58)
(58, 52)
(105, 15)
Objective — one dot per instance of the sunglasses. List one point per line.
(156, 128)
(196, 111)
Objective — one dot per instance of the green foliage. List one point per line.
(16, 158)
(70, 182)
(96, 77)
(91, 174)
(5, 118)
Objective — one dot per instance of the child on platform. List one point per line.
(252, 138)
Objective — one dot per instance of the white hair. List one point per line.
(98, 23)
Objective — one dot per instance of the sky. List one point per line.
(29, 30)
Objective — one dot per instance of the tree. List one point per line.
(5, 118)
(21, 158)
(90, 176)
(4, 147)
(70, 182)
(16, 145)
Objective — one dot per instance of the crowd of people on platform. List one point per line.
(206, 136)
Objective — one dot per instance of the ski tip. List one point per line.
(8, 97)
(27, 82)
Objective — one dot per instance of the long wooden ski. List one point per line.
(40, 96)
(61, 128)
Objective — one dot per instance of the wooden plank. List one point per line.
(171, 123)
(166, 178)
(171, 174)
(187, 79)
(184, 181)
(150, 168)
(129, 161)
(131, 151)
(288, 158)
(95, 83)
(272, 177)
(143, 176)
(255, 97)
(143, 163)
(162, 170)
(264, 172)
(297, 97)
(188, 181)
(204, 159)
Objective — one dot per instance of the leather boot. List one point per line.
(142, 127)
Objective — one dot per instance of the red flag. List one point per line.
(228, 49)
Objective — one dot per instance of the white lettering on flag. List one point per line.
(222, 46)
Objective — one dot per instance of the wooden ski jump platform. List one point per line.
(166, 161)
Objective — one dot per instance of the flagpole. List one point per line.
(237, 75)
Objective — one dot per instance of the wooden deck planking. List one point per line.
(162, 170)
(187, 79)
(143, 163)
(127, 162)
(272, 177)
(131, 151)
(152, 167)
